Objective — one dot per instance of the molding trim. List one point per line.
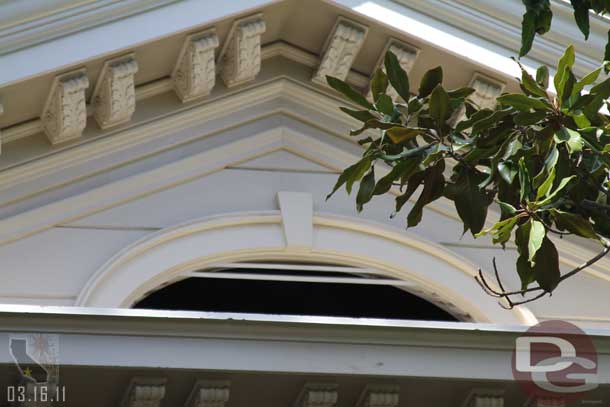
(340, 50)
(240, 57)
(144, 265)
(64, 116)
(68, 20)
(114, 97)
(194, 75)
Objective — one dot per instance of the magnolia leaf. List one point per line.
(439, 104)
(385, 105)
(574, 223)
(431, 79)
(545, 187)
(546, 268)
(349, 92)
(528, 32)
(542, 76)
(550, 197)
(365, 192)
(581, 15)
(403, 170)
(379, 84)
(351, 174)
(401, 134)
(434, 183)
(362, 115)
(525, 182)
(397, 76)
(522, 102)
(471, 202)
(529, 118)
(537, 234)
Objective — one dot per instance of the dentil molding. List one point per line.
(485, 398)
(318, 395)
(194, 75)
(241, 54)
(379, 396)
(114, 97)
(64, 116)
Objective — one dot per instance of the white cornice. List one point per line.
(499, 22)
(30, 23)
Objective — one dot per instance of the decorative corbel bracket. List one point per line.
(144, 392)
(240, 57)
(318, 395)
(485, 398)
(64, 116)
(209, 394)
(340, 50)
(194, 75)
(406, 55)
(379, 396)
(114, 97)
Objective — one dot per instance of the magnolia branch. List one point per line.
(503, 294)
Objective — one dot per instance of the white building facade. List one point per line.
(147, 142)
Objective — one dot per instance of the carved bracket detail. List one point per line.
(195, 73)
(144, 392)
(114, 97)
(64, 116)
(209, 394)
(241, 54)
(340, 51)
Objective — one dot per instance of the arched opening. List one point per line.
(294, 289)
(202, 246)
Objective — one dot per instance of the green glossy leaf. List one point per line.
(501, 230)
(401, 134)
(545, 187)
(565, 63)
(546, 269)
(574, 223)
(431, 79)
(537, 234)
(397, 76)
(581, 15)
(522, 102)
(439, 104)
(529, 118)
(352, 174)
(362, 115)
(349, 92)
(562, 184)
(525, 182)
(379, 84)
(434, 183)
(385, 105)
(528, 32)
(471, 202)
(365, 192)
(402, 170)
(542, 76)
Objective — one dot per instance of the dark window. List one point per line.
(292, 298)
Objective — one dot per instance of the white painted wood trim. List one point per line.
(297, 219)
(145, 265)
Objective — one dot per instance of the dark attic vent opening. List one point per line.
(256, 290)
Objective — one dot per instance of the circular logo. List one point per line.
(555, 360)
